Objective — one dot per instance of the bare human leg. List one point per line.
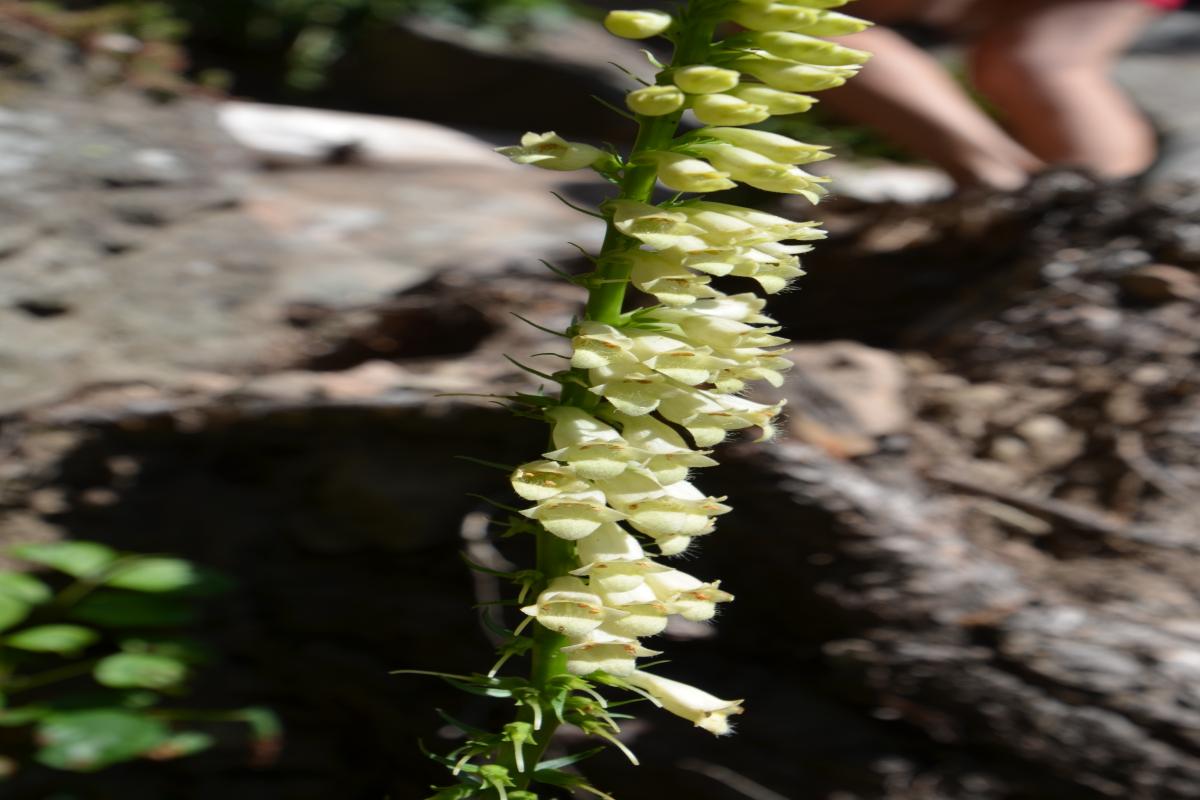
(907, 95)
(1046, 66)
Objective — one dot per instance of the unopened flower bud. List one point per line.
(705, 79)
(833, 23)
(725, 109)
(637, 24)
(809, 49)
(772, 145)
(792, 76)
(773, 17)
(686, 174)
(774, 100)
(655, 101)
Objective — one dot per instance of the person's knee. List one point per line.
(1004, 68)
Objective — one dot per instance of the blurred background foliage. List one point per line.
(96, 657)
(294, 41)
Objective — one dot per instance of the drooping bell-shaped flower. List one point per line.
(541, 480)
(679, 510)
(573, 515)
(594, 450)
(700, 708)
(644, 613)
(600, 651)
(551, 151)
(632, 390)
(568, 607)
(708, 417)
(670, 457)
(686, 595)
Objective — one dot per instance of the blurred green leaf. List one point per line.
(263, 722)
(156, 574)
(182, 744)
(121, 609)
(85, 741)
(16, 717)
(24, 587)
(140, 670)
(12, 611)
(178, 647)
(61, 639)
(78, 559)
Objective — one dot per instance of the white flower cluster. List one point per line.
(616, 481)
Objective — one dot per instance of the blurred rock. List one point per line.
(1161, 283)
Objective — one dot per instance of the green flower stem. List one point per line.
(606, 299)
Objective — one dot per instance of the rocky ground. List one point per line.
(970, 572)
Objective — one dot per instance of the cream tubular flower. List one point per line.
(551, 151)
(616, 655)
(726, 109)
(633, 391)
(644, 613)
(637, 24)
(568, 607)
(657, 228)
(686, 595)
(686, 174)
(541, 480)
(701, 708)
(774, 100)
(708, 418)
(783, 149)
(655, 101)
(669, 281)
(680, 510)
(705, 79)
(573, 515)
(594, 450)
(670, 457)
(761, 172)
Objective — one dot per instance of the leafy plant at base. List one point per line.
(87, 670)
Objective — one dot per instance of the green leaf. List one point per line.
(85, 741)
(264, 724)
(121, 609)
(182, 744)
(154, 574)
(177, 647)
(62, 639)
(78, 559)
(144, 670)
(24, 587)
(566, 761)
(16, 717)
(12, 611)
